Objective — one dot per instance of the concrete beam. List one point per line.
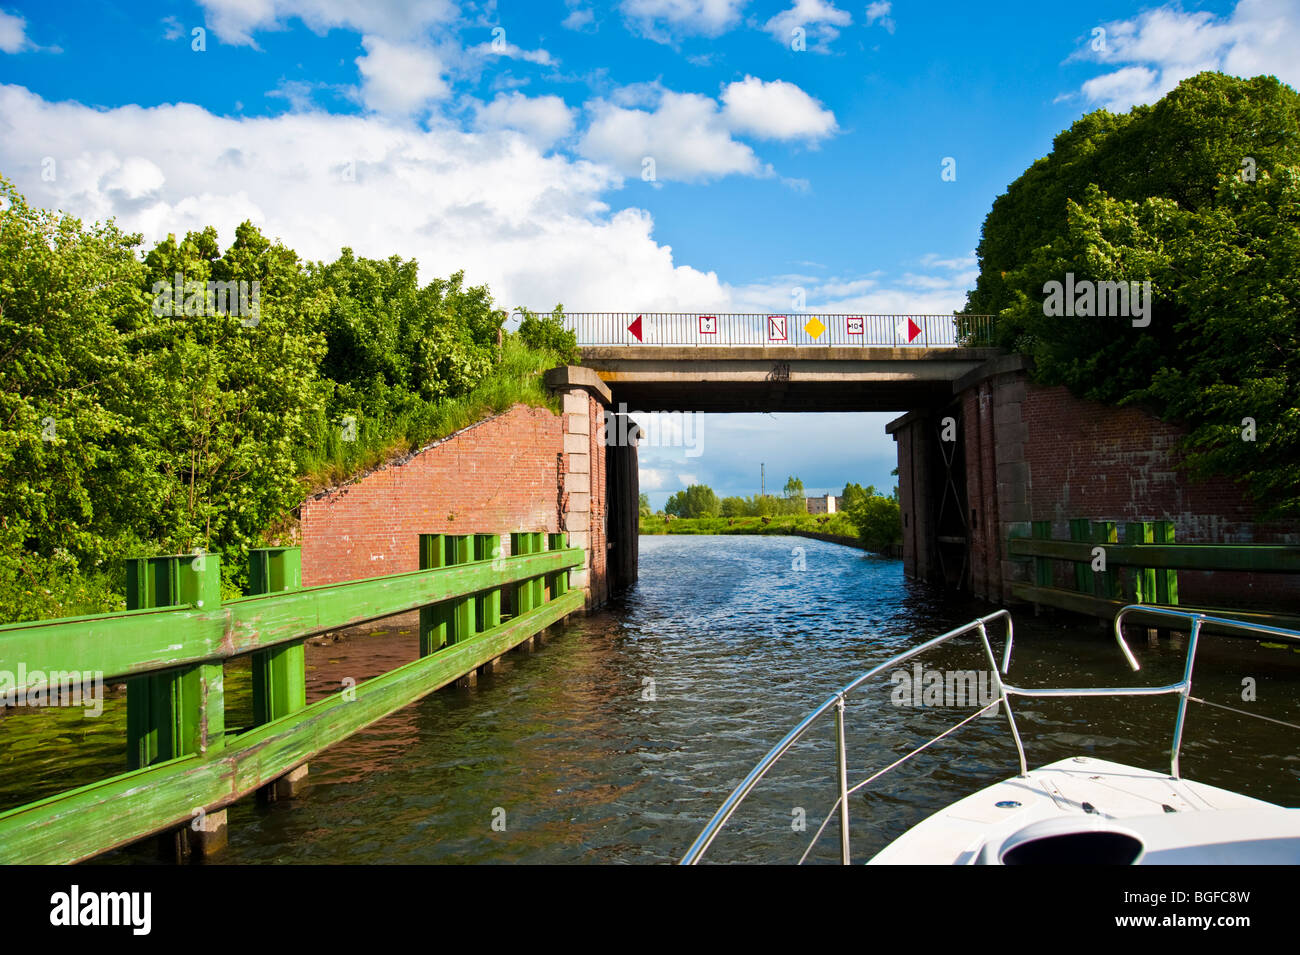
(1000, 365)
(567, 377)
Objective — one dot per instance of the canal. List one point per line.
(617, 741)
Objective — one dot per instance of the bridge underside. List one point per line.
(749, 379)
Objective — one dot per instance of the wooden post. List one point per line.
(1106, 582)
(279, 674)
(434, 620)
(1043, 577)
(488, 604)
(1080, 531)
(1144, 578)
(538, 545)
(460, 550)
(1166, 580)
(181, 711)
(558, 582)
(522, 543)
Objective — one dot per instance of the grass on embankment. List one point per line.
(516, 379)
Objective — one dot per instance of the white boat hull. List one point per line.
(1083, 810)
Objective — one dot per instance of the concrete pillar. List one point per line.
(583, 512)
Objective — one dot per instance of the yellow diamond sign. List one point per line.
(814, 328)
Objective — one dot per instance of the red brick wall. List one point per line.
(1119, 464)
(497, 476)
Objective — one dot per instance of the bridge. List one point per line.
(688, 361)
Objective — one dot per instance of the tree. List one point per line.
(1218, 239)
(643, 505)
(735, 507)
(698, 500)
(878, 520)
(549, 332)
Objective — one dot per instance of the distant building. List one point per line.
(823, 504)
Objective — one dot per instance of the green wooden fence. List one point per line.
(1143, 569)
(171, 645)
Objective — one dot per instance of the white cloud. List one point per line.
(540, 57)
(776, 110)
(13, 33)
(543, 119)
(819, 19)
(534, 228)
(879, 11)
(937, 290)
(399, 78)
(685, 136)
(664, 20)
(1159, 48)
(235, 21)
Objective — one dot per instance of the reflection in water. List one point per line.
(588, 768)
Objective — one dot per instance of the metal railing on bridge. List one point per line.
(801, 329)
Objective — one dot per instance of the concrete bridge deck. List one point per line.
(745, 378)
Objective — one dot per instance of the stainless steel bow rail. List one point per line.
(837, 699)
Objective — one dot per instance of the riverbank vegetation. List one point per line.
(187, 398)
(1199, 195)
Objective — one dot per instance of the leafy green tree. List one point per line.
(549, 332)
(698, 500)
(735, 507)
(1214, 227)
(878, 520)
(643, 505)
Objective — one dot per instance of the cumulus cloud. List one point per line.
(776, 110)
(13, 35)
(1159, 48)
(399, 78)
(543, 119)
(534, 228)
(511, 51)
(235, 21)
(665, 20)
(685, 136)
(879, 13)
(819, 19)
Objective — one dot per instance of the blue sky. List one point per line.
(510, 139)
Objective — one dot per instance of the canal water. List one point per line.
(617, 741)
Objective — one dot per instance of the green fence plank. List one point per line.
(279, 674)
(1166, 580)
(84, 822)
(558, 582)
(1144, 578)
(130, 643)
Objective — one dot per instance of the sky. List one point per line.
(673, 155)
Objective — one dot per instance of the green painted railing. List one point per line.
(171, 647)
(1143, 569)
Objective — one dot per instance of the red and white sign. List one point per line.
(856, 324)
(708, 324)
(776, 330)
(635, 328)
(907, 329)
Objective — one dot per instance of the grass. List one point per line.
(838, 524)
(516, 379)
